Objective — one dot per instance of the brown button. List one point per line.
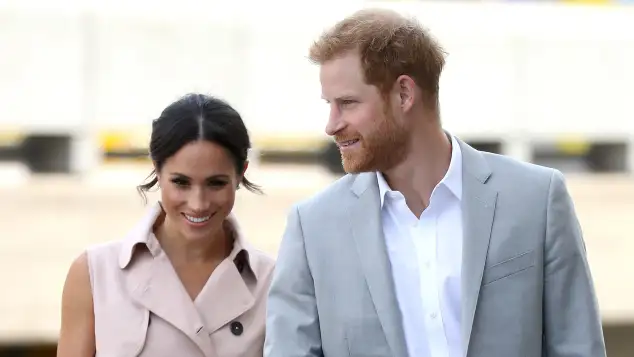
(236, 328)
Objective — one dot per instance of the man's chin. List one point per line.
(355, 166)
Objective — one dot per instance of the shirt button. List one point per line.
(236, 328)
(433, 315)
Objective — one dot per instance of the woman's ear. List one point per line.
(156, 171)
(244, 170)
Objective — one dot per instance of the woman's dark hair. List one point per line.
(198, 117)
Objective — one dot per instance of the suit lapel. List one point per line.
(369, 240)
(479, 200)
(153, 284)
(478, 210)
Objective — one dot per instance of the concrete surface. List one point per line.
(47, 221)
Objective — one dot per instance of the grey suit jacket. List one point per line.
(526, 285)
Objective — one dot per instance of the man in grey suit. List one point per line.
(427, 247)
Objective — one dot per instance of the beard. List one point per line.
(382, 148)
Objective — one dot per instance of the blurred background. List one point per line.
(550, 82)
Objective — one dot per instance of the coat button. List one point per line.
(236, 328)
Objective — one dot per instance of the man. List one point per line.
(427, 247)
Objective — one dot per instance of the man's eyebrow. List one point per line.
(341, 98)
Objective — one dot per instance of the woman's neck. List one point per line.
(179, 249)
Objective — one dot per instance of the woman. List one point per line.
(183, 282)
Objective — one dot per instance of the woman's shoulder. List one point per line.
(121, 248)
(261, 263)
(104, 249)
(103, 258)
(261, 258)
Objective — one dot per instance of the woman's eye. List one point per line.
(217, 183)
(180, 182)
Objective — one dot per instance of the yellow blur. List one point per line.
(590, 2)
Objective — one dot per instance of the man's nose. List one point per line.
(335, 124)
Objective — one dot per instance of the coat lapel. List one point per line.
(225, 296)
(478, 210)
(369, 240)
(153, 284)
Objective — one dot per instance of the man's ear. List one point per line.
(406, 88)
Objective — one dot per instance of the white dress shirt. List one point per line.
(426, 257)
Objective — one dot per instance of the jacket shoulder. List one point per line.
(329, 198)
(515, 174)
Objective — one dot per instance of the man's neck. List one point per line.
(423, 168)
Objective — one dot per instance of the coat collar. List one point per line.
(143, 235)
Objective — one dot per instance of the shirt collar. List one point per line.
(452, 179)
(142, 235)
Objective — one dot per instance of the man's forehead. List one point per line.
(347, 90)
(343, 91)
(348, 64)
(341, 78)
